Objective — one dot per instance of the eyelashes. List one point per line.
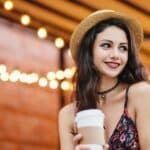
(123, 48)
(105, 45)
(108, 46)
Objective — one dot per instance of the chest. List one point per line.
(113, 115)
(125, 135)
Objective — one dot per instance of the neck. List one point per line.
(106, 83)
(106, 87)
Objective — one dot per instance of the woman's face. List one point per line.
(110, 51)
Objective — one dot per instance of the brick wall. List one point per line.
(28, 113)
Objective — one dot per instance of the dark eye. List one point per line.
(105, 45)
(123, 48)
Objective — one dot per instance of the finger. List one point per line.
(82, 147)
(75, 128)
(105, 147)
(77, 138)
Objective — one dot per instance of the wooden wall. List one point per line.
(28, 113)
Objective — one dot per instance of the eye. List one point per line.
(105, 45)
(123, 48)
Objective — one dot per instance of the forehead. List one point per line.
(112, 33)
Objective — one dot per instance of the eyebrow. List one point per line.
(124, 43)
(112, 42)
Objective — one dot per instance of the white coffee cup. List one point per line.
(90, 124)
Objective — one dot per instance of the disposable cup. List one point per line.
(90, 124)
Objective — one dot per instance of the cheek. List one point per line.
(97, 58)
(96, 61)
(125, 58)
(98, 54)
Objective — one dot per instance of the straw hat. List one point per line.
(97, 17)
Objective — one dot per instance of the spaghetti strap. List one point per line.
(125, 134)
(126, 97)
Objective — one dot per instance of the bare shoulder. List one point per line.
(66, 126)
(140, 89)
(66, 114)
(139, 94)
(67, 110)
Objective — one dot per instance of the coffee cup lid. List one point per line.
(89, 112)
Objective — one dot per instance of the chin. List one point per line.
(113, 74)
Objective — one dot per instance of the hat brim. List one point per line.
(97, 17)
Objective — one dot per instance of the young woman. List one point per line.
(110, 77)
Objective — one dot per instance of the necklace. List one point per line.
(102, 94)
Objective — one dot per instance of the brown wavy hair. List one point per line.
(87, 76)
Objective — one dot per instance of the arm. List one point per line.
(66, 126)
(66, 120)
(141, 96)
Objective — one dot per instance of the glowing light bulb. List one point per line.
(43, 82)
(23, 77)
(34, 77)
(60, 75)
(59, 42)
(25, 19)
(2, 68)
(53, 84)
(4, 76)
(14, 76)
(68, 73)
(42, 33)
(51, 75)
(65, 85)
(8, 5)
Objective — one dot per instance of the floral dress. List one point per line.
(125, 135)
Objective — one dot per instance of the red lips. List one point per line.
(112, 64)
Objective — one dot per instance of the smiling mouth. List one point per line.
(112, 65)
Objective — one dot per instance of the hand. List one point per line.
(78, 137)
(82, 147)
(105, 147)
(76, 140)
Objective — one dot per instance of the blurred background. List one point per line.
(36, 68)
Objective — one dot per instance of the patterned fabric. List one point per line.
(125, 135)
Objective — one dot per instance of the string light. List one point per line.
(23, 77)
(68, 73)
(25, 19)
(2, 69)
(42, 33)
(59, 42)
(30, 79)
(4, 76)
(51, 75)
(8, 5)
(60, 75)
(65, 85)
(50, 80)
(43, 82)
(34, 77)
(14, 76)
(53, 84)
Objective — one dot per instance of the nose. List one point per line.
(114, 53)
